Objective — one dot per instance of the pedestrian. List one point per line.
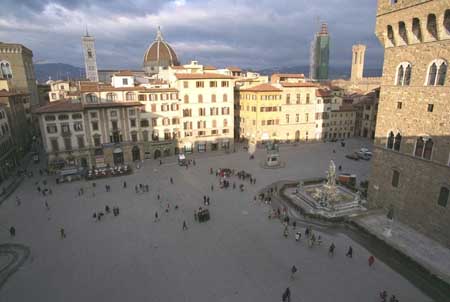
(349, 252)
(18, 201)
(63, 233)
(156, 216)
(371, 260)
(124, 184)
(171, 181)
(158, 197)
(94, 184)
(298, 235)
(307, 232)
(286, 232)
(195, 215)
(193, 162)
(47, 206)
(383, 296)
(293, 271)
(294, 225)
(207, 200)
(160, 162)
(319, 240)
(212, 188)
(136, 189)
(12, 231)
(340, 168)
(286, 295)
(184, 225)
(107, 209)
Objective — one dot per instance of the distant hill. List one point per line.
(61, 71)
(57, 71)
(334, 72)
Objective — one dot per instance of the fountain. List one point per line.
(325, 196)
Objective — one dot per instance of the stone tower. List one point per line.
(320, 54)
(90, 59)
(411, 159)
(359, 52)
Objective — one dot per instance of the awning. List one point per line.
(117, 150)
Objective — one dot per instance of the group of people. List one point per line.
(99, 215)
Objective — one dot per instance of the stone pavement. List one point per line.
(239, 255)
(423, 250)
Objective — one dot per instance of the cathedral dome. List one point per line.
(159, 55)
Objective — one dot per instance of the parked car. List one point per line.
(364, 155)
(353, 156)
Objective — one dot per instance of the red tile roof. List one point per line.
(95, 87)
(71, 106)
(323, 92)
(200, 76)
(262, 88)
(289, 75)
(294, 85)
(234, 68)
(124, 73)
(209, 67)
(60, 106)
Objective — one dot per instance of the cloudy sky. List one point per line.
(247, 33)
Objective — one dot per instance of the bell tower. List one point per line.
(359, 52)
(90, 58)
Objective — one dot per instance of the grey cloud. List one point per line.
(241, 32)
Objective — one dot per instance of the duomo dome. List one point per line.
(159, 55)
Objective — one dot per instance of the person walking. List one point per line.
(171, 181)
(124, 184)
(293, 271)
(286, 295)
(349, 252)
(184, 225)
(371, 260)
(212, 188)
(12, 231)
(63, 233)
(331, 249)
(156, 216)
(298, 235)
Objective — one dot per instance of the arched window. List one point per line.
(447, 21)
(186, 99)
(400, 75)
(437, 73)
(110, 97)
(432, 72)
(129, 96)
(225, 97)
(5, 69)
(397, 142)
(419, 147)
(402, 31)
(403, 74)
(390, 35)
(416, 30)
(442, 73)
(200, 98)
(428, 149)
(91, 98)
(431, 25)
(356, 57)
(390, 140)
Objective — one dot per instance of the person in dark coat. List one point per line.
(12, 231)
(287, 295)
(349, 252)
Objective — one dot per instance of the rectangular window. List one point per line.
(132, 123)
(395, 178)
(199, 84)
(94, 126)
(154, 122)
(124, 81)
(297, 118)
(80, 141)
(213, 84)
(153, 107)
(52, 128)
(113, 113)
(399, 105)
(443, 197)
(114, 125)
(306, 117)
(225, 84)
(287, 118)
(97, 141)
(430, 108)
(65, 129)
(307, 98)
(185, 84)
(134, 137)
(78, 126)
(68, 143)
(298, 98)
(54, 143)
(93, 114)
(142, 97)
